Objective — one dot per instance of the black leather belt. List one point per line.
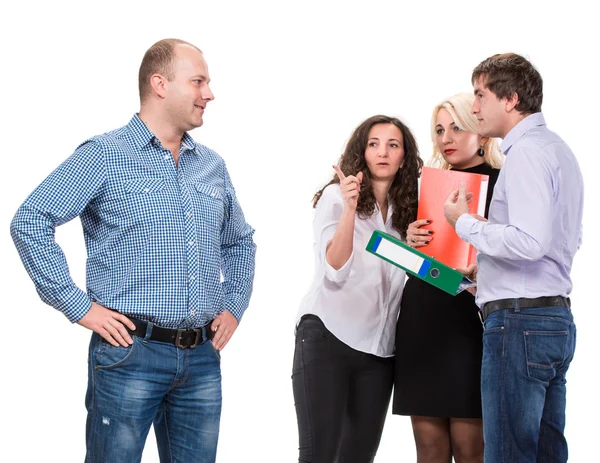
(524, 303)
(183, 338)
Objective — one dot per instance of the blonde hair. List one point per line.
(459, 107)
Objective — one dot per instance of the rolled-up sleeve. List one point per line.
(327, 216)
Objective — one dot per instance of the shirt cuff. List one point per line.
(235, 307)
(463, 227)
(76, 306)
(341, 274)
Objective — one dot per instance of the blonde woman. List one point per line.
(439, 336)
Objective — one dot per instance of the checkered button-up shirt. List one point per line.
(164, 243)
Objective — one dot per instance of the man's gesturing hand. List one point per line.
(457, 204)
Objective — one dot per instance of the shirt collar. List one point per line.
(524, 126)
(142, 135)
(188, 142)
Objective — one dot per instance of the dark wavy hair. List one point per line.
(509, 73)
(403, 192)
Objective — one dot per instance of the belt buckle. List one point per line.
(180, 334)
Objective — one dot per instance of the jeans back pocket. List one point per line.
(545, 352)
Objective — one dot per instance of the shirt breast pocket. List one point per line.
(211, 203)
(142, 198)
(144, 186)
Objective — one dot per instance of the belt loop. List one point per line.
(517, 308)
(148, 331)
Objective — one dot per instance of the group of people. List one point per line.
(494, 392)
(170, 268)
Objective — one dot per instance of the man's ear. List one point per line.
(510, 103)
(158, 84)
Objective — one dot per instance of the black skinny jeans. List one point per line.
(341, 394)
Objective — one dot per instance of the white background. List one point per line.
(292, 80)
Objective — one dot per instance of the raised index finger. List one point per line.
(339, 172)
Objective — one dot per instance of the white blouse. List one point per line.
(359, 303)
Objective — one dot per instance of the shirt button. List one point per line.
(192, 243)
(188, 213)
(192, 312)
(166, 157)
(212, 195)
(147, 190)
(192, 278)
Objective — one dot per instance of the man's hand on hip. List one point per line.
(108, 324)
(224, 325)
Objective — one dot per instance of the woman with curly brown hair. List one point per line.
(343, 362)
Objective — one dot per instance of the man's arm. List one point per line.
(237, 262)
(62, 196)
(530, 198)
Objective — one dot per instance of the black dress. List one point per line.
(439, 346)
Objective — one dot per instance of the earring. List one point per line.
(480, 152)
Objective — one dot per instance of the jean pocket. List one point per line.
(493, 341)
(108, 356)
(216, 353)
(545, 351)
(312, 331)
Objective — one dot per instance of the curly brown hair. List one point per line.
(509, 73)
(403, 194)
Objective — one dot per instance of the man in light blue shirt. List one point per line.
(170, 265)
(525, 256)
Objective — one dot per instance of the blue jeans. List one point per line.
(129, 388)
(526, 354)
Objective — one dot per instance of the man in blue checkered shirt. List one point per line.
(169, 270)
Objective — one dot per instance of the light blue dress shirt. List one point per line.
(527, 247)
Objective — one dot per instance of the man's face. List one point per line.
(188, 93)
(490, 111)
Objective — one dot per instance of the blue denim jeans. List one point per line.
(129, 388)
(526, 355)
